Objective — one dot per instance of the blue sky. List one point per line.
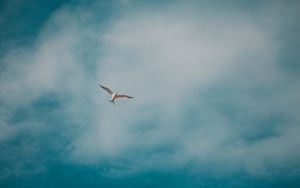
(216, 93)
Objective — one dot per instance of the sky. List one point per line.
(216, 88)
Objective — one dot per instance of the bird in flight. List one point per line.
(114, 95)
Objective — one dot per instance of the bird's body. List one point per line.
(114, 95)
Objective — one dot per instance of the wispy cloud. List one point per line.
(209, 89)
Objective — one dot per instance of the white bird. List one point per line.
(114, 95)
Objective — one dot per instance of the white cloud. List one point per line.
(204, 86)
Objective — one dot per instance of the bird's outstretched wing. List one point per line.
(123, 96)
(106, 89)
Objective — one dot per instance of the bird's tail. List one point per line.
(112, 101)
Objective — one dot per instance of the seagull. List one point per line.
(114, 95)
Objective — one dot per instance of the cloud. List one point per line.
(174, 64)
(209, 92)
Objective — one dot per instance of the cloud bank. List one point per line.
(211, 93)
